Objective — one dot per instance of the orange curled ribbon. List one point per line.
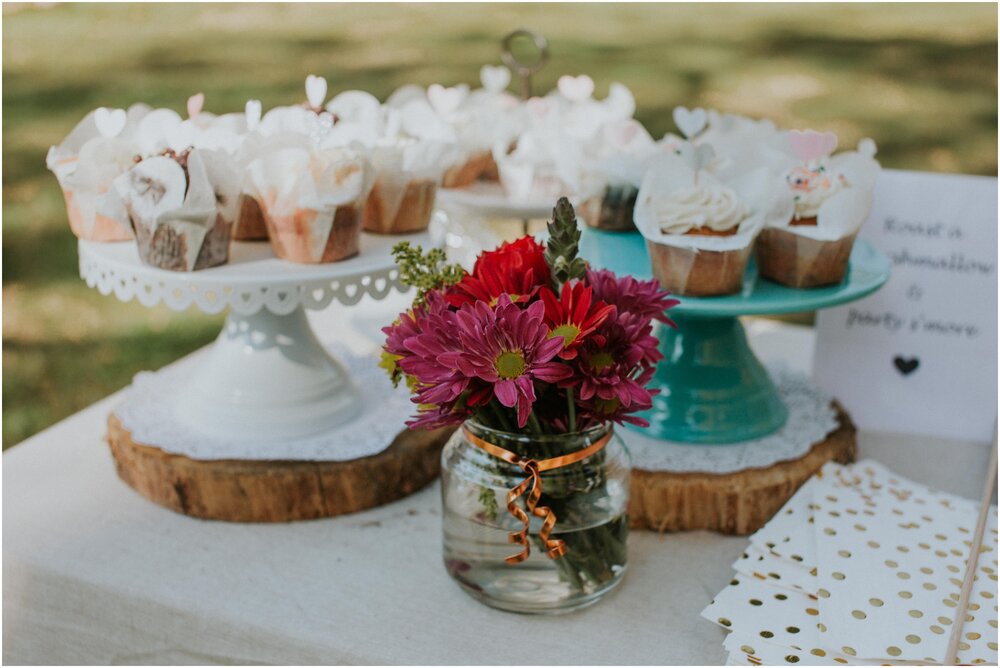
(555, 547)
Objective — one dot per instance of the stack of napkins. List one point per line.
(861, 567)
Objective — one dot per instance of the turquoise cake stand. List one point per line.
(713, 389)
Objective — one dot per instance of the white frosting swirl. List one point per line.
(811, 186)
(708, 205)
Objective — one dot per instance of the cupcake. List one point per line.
(98, 150)
(181, 207)
(473, 121)
(623, 152)
(407, 175)
(407, 170)
(832, 197)
(311, 198)
(700, 228)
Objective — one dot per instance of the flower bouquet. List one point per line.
(536, 355)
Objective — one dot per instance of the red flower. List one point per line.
(574, 316)
(517, 269)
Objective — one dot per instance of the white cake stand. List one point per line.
(267, 376)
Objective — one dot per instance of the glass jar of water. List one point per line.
(587, 498)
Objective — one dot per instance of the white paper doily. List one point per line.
(810, 419)
(385, 410)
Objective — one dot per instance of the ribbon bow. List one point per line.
(554, 547)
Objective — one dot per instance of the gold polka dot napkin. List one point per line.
(861, 567)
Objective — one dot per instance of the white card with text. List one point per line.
(920, 355)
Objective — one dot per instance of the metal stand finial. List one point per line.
(525, 70)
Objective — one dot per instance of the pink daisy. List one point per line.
(630, 295)
(509, 348)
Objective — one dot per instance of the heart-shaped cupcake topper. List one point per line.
(195, 104)
(867, 147)
(315, 91)
(576, 89)
(445, 100)
(811, 145)
(252, 111)
(110, 122)
(690, 121)
(495, 78)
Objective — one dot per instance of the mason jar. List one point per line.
(569, 560)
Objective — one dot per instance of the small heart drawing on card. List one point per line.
(904, 365)
(495, 78)
(575, 89)
(315, 90)
(252, 111)
(110, 122)
(690, 121)
(195, 104)
(811, 145)
(445, 100)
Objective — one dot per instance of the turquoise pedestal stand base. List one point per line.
(713, 389)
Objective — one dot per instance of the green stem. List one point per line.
(535, 424)
(501, 418)
(571, 409)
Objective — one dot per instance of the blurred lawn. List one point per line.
(920, 79)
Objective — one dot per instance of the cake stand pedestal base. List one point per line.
(276, 491)
(733, 503)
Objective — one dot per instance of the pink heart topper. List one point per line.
(812, 145)
(621, 134)
(194, 104)
(539, 107)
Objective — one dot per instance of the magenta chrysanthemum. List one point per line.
(419, 341)
(614, 367)
(508, 347)
(630, 295)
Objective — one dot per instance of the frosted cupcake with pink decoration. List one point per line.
(831, 197)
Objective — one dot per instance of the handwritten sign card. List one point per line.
(920, 355)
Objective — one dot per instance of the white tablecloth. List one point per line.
(94, 573)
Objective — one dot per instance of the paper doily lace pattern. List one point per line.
(810, 419)
(151, 421)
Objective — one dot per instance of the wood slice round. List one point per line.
(733, 503)
(276, 491)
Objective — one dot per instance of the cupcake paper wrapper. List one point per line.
(302, 189)
(201, 204)
(405, 174)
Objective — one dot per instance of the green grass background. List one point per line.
(920, 79)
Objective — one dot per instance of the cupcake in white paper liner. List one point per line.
(699, 228)
(181, 207)
(546, 161)
(311, 197)
(622, 156)
(99, 149)
(743, 143)
(831, 197)
(407, 170)
(581, 115)
(407, 175)
(487, 116)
